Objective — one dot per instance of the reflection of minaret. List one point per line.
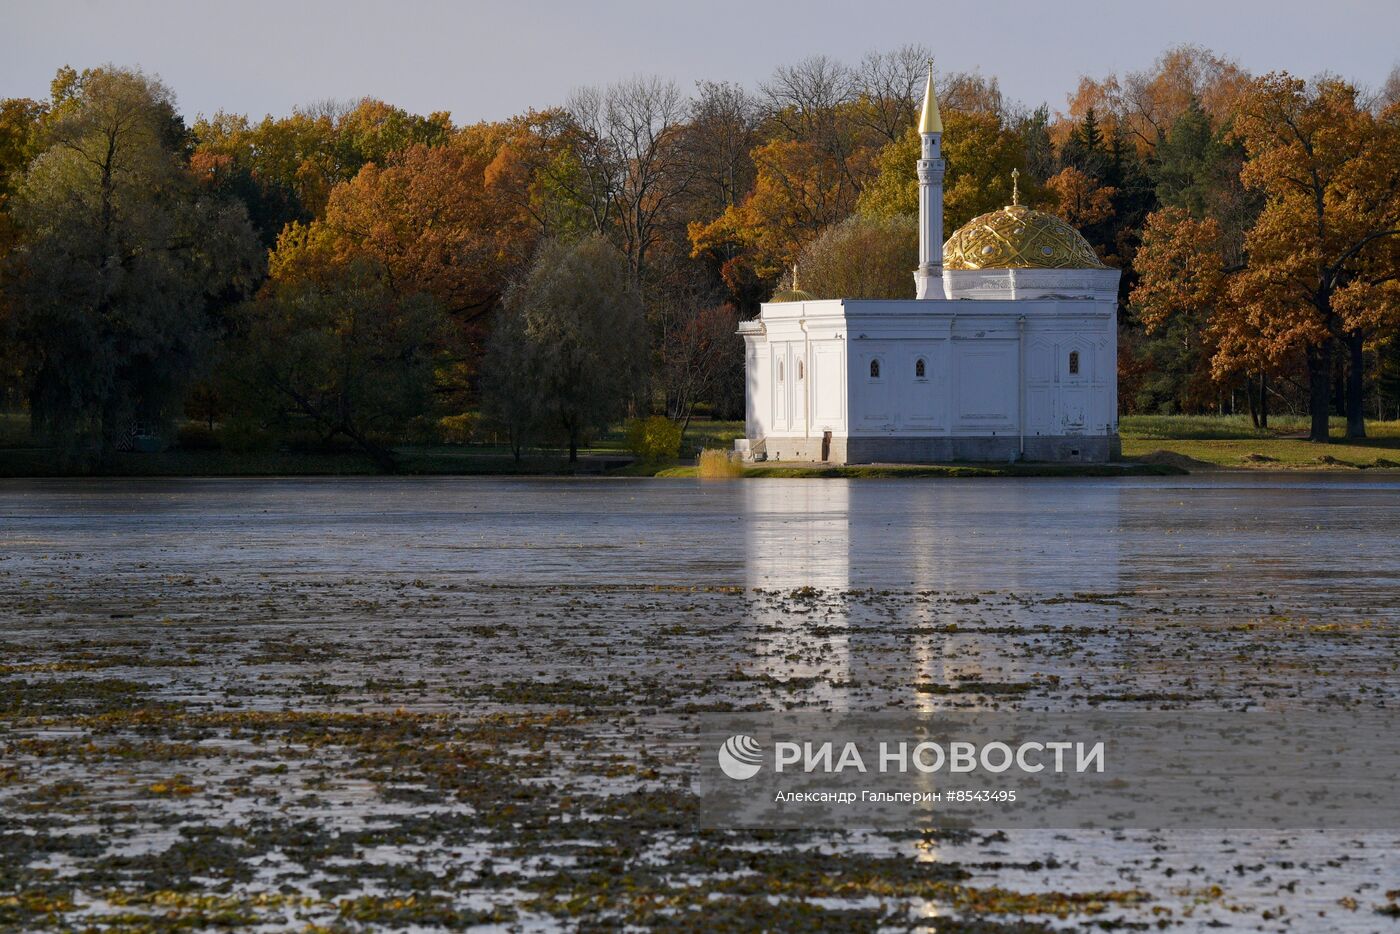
(798, 536)
(928, 278)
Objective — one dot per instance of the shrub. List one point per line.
(192, 437)
(653, 439)
(458, 429)
(243, 435)
(716, 464)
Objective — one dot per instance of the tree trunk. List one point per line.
(1264, 401)
(1356, 375)
(573, 448)
(1339, 387)
(383, 457)
(1249, 397)
(1319, 358)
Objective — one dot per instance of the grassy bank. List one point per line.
(1158, 444)
(894, 471)
(445, 460)
(1213, 442)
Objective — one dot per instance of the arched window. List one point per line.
(1074, 362)
(920, 369)
(874, 369)
(780, 371)
(801, 370)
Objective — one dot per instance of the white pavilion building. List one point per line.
(1008, 352)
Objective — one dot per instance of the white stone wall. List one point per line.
(986, 372)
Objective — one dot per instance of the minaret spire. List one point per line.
(930, 120)
(928, 278)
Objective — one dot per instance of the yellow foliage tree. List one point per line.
(981, 151)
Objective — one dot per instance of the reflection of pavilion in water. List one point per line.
(931, 548)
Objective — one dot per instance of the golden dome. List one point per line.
(794, 294)
(1015, 237)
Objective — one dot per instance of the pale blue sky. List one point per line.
(489, 59)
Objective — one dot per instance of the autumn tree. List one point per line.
(424, 218)
(285, 168)
(1322, 257)
(981, 152)
(426, 224)
(290, 163)
(1079, 198)
(798, 192)
(1180, 288)
(821, 143)
(21, 125)
(699, 350)
(1143, 105)
(121, 263)
(533, 173)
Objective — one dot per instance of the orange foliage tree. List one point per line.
(1143, 105)
(427, 224)
(1322, 259)
(798, 191)
(1181, 286)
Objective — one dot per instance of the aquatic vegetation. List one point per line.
(436, 747)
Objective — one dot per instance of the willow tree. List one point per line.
(863, 257)
(121, 260)
(576, 340)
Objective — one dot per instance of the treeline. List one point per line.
(360, 274)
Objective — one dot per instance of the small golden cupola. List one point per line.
(794, 294)
(1016, 237)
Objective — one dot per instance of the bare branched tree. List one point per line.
(804, 98)
(722, 133)
(1390, 91)
(891, 85)
(633, 160)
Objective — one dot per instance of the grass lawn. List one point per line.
(1160, 441)
(1201, 442)
(896, 471)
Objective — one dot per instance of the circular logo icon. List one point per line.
(740, 757)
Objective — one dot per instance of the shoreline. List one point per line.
(779, 471)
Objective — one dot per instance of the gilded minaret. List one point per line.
(928, 278)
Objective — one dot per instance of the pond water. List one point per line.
(284, 676)
(1236, 532)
